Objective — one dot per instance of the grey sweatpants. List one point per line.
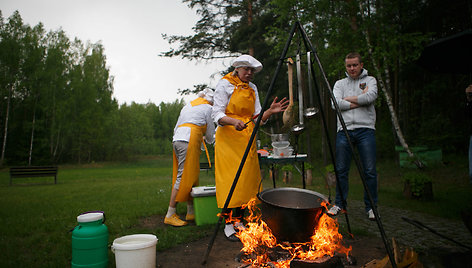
(180, 149)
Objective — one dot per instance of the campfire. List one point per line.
(262, 249)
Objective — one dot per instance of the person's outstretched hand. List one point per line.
(278, 106)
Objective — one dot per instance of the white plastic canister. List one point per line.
(138, 250)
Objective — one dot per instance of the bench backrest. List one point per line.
(205, 166)
(33, 171)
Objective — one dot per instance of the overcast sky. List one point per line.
(130, 32)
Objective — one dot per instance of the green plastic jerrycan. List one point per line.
(90, 241)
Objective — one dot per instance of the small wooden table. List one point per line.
(293, 159)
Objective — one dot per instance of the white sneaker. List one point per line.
(229, 230)
(239, 226)
(370, 215)
(334, 210)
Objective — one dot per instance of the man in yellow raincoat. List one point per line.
(236, 103)
(194, 123)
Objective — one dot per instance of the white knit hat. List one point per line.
(247, 61)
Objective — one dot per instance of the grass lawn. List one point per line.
(37, 216)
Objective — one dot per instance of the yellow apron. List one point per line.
(191, 170)
(230, 145)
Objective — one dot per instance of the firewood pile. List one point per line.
(409, 259)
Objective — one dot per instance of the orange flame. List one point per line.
(258, 241)
(229, 217)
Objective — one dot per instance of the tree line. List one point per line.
(57, 106)
(56, 103)
(415, 105)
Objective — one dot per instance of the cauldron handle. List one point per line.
(259, 188)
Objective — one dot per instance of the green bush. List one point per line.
(308, 166)
(417, 181)
(288, 168)
(329, 168)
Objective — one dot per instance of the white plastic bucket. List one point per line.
(137, 250)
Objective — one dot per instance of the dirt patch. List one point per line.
(224, 253)
(153, 222)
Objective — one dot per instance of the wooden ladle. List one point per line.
(288, 115)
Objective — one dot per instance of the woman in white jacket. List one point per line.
(194, 123)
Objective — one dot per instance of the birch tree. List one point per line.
(387, 38)
(12, 33)
(32, 70)
(57, 65)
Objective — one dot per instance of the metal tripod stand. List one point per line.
(309, 47)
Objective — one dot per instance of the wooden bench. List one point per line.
(33, 171)
(205, 166)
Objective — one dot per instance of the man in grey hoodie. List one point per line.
(355, 96)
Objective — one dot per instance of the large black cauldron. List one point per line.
(291, 213)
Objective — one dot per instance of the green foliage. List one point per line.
(398, 31)
(56, 93)
(290, 168)
(329, 168)
(58, 106)
(227, 29)
(417, 181)
(385, 137)
(309, 166)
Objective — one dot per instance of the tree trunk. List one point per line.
(288, 175)
(274, 174)
(5, 132)
(388, 99)
(331, 179)
(52, 143)
(79, 151)
(54, 147)
(32, 135)
(308, 176)
(249, 22)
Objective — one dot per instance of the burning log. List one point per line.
(409, 259)
(280, 258)
(325, 262)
